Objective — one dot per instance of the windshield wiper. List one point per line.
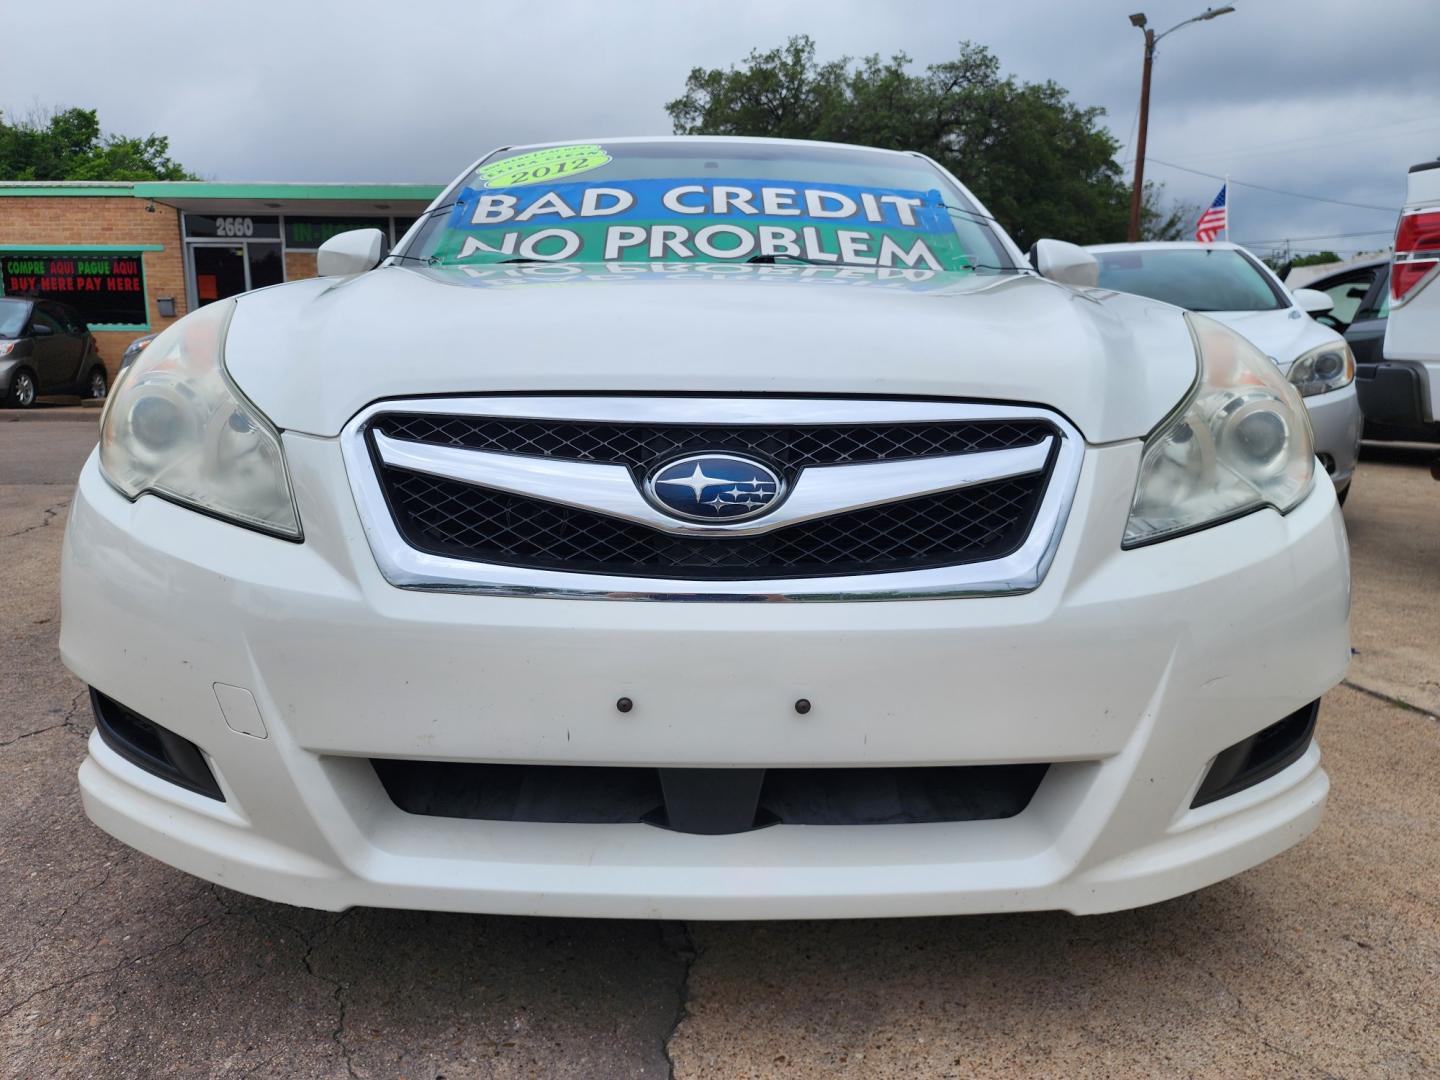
(788, 258)
(974, 215)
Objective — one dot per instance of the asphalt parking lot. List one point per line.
(1323, 962)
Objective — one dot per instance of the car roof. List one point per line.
(1350, 268)
(710, 139)
(1167, 245)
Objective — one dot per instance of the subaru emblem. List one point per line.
(714, 487)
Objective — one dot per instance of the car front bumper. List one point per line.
(1126, 671)
(1337, 421)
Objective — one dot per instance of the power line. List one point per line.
(1275, 191)
(1320, 144)
(1367, 133)
(1323, 236)
(1129, 143)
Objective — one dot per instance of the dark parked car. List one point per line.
(46, 348)
(134, 349)
(1391, 393)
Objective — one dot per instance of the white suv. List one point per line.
(1412, 334)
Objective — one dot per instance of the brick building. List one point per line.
(133, 257)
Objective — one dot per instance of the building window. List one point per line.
(108, 290)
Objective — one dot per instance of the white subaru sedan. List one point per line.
(705, 528)
(1226, 282)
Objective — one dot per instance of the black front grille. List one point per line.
(446, 517)
(464, 521)
(643, 446)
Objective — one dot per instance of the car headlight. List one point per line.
(1240, 441)
(176, 426)
(1324, 369)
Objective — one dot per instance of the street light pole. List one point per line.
(1151, 40)
(1134, 233)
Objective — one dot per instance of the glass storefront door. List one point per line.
(222, 270)
(230, 251)
(219, 272)
(266, 264)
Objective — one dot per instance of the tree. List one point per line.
(68, 145)
(1319, 258)
(1175, 223)
(1040, 163)
(1282, 261)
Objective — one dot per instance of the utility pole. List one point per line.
(1139, 187)
(1151, 40)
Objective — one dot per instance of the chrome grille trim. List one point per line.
(820, 490)
(406, 567)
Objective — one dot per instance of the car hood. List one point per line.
(311, 354)
(1280, 335)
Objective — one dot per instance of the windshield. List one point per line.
(1200, 279)
(14, 314)
(701, 201)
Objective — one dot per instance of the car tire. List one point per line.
(23, 390)
(97, 383)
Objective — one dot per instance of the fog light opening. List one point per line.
(157, 750)
(1259, 757)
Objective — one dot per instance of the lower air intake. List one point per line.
(709, 800)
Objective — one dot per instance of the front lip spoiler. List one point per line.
(408, 568)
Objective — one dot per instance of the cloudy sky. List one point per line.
(1326, 98)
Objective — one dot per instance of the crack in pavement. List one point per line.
(123, 962)
(311, 942)
(342, 1007)
(32, 734)
(1390, 699)
(68, 721)
(50, 512)
(679, 939)
(82, 696)
(59, 920)
(1247, 1016)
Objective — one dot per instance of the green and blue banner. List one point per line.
(702, 219)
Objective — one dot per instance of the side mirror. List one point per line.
(1312, 301)
(1069, 264)
(351, 252)
(40, 329)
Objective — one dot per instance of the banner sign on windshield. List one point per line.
(703, 220)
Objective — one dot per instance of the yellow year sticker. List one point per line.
(553, 163)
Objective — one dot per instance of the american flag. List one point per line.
(1213, 219)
